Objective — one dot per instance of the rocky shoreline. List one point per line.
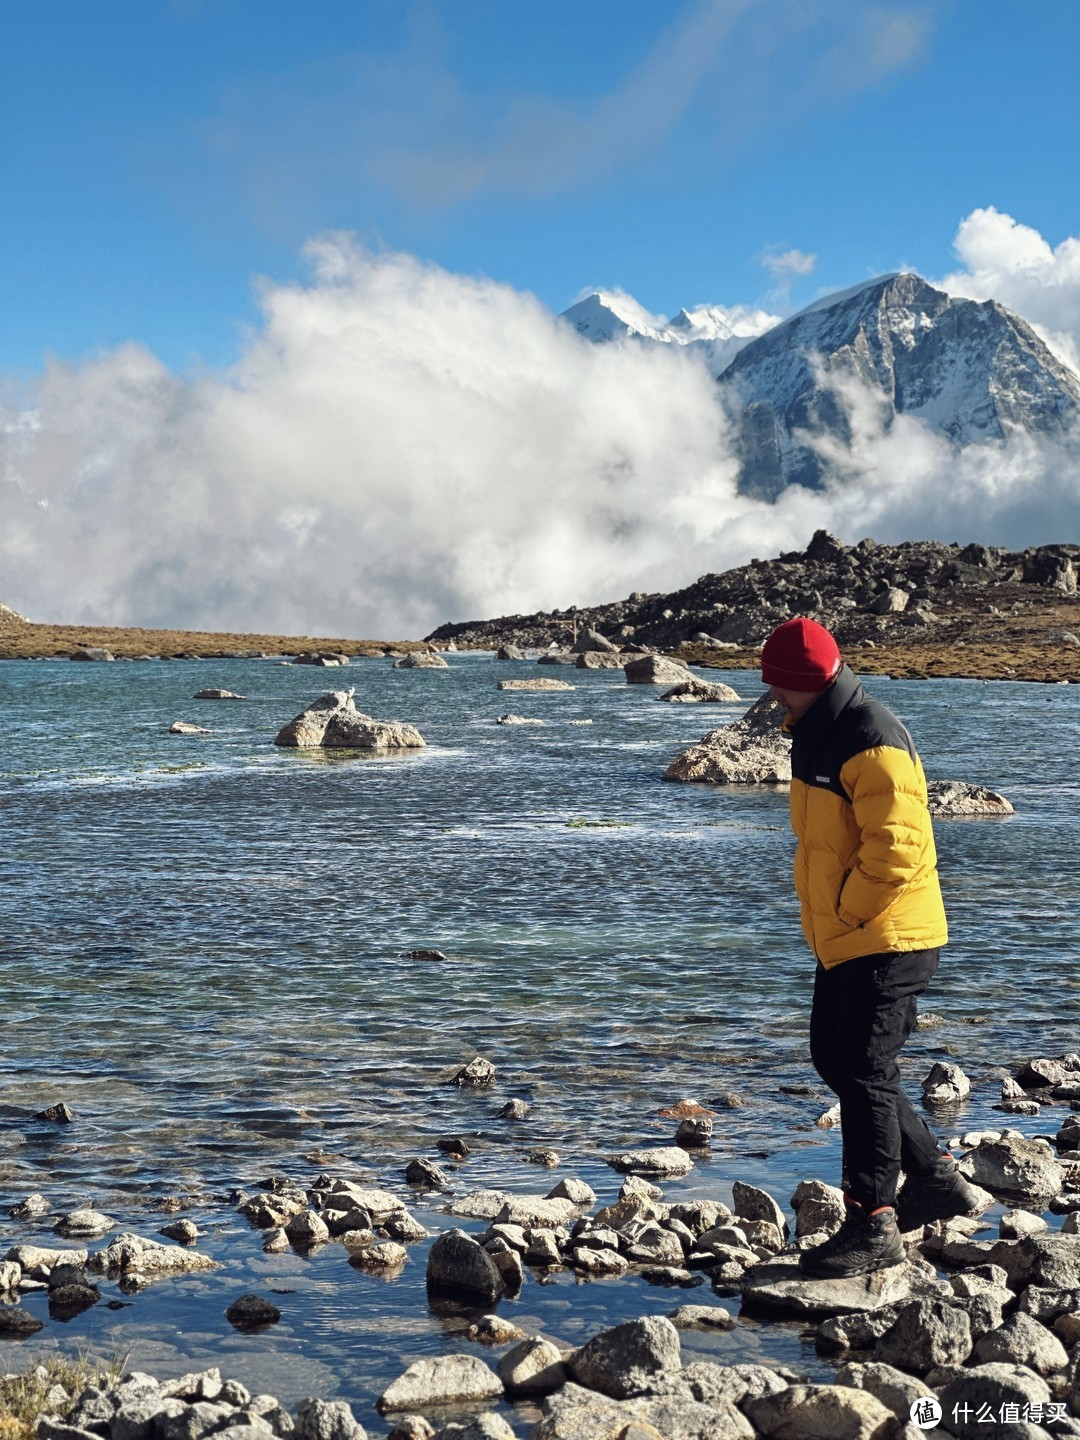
(974, 1322)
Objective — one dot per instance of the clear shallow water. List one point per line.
(201, 937)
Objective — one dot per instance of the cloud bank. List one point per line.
(402, 446)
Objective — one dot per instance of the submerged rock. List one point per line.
(213, 694)
(184, 727)
(542, 684)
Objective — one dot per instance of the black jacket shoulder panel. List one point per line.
(844, 722)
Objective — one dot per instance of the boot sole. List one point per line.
(868, 1267)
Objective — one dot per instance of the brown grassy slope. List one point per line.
(1021, 642)
(23, 640)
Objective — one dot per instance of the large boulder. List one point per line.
(457, 1263)
(778, 1287)
(1013, 1165)
(750, 751)
(333, 722)
(822, 1412)
(592, 641)
(655, 670)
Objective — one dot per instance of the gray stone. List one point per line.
(831, 1412)
(592, 640)
(457, 1263)
(1052, 1261)
(533, 1367)
(441, 1380)
(307, 1230)
(655, 670)
(404, 1228)
(599, 660)
(945, 1085)
(818, 1208)
(1012, 1165)
(1021, 1340)
(489, 1426)
(591, 1260)
(173, 1420)
(986, 1388)
(668, 1160)
(751, 1203)
(777, 1286)
(896, 1390)
(327, 1420)
(1014, 1224)
(37, 1260)
(701, 1317)
(383, 1255)
(184, 727)
(624, 1360)
(927, 1333)
(479, 1204)
(216, 694)
(537, 1212)
(541, 684)
(425, 1174)
(476, 1073)
(576, 1191)
(709, 1382)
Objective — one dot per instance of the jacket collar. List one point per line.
(822, 715)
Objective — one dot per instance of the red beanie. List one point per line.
(800, 655)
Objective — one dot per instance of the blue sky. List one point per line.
(160, 158)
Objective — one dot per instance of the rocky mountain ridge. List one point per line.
(867, 592)
(970, 371)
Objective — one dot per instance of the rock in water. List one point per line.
(700, 692)
(655, 670)
(750, 751)
(421, 660)
(955, 797)
(333, 722)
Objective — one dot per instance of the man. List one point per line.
(866, 878)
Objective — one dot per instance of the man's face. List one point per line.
(795, 702)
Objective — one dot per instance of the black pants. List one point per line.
(863, 1012)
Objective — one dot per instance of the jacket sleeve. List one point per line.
(887, 790)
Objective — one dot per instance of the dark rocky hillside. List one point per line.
(920, 590)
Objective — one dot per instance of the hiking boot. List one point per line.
(864, 1243)
(938, 1193)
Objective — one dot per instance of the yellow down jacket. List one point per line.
(865, 863)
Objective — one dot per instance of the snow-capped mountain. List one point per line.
(716, 333)
(972, 370)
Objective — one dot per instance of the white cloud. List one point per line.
(402, 446)
(1012, 263)
(785, 265)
